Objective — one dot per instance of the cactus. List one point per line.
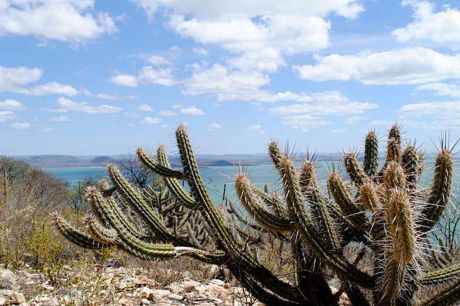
(385, 211)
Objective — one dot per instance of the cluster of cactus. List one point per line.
(382, 210)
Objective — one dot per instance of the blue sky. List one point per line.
(89, 77)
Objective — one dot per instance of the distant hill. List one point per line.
(221, 163)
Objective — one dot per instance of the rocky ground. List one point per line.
(113, 286)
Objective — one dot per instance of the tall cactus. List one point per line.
(385, 211)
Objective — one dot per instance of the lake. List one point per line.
(217, 176)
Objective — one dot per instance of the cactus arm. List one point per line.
(400, 252)
(216, 222)
(173, 185)
(441, 275)
(272, 200)
(440, 191)
(318, 204)
(354, 170)
(448, 295)
(120, 217)
(147, 250)
(371, 154)
(149, 216)
(254, 205)
(76, 236)
(345, 201)
(156, 167)
(393, 152)
(409, 161)
(308, 232)
(99, 232)
(274, 152)
(239, 216)
(260, 292)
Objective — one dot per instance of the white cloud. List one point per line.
(200, 51)
(157, 60)
(13, 79)
(148, 74)
(51, 88)
(127, 80)
(167, 113)
(59, 118)
(11, 105)
(144, 108)
(257, 34)
(442, 89)
(19, 79)
(67, 105)
(105, 96)
(256, 128)
(244, 9)
(436, 115)
(6, 115)
(151, 120)
(191, 110)
(20, 125)
(63, 20)
(405, 66)
(309, 115)
(158, 76)
(428, 25)
(225, 83)
(215, 125)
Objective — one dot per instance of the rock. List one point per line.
(217, 282)
(17, 298)
(7, 280)
(213, 272)
(159, 294)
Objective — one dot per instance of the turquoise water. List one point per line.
(216, 177)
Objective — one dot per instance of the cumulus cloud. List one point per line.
(258, 36)
(430, 25)
(20, 126)
(167, 113)
(405, 66)
(243, 9)
(127, 80)
(62, 20)
(13, 79)
(191, 110)
(6, 115)
(225, 83)
(144, 108)
(310, 115)
(441, 89)
(256, 128)
(437, 115)
(151, 120)
(20, 79)
(158, 73)
(67, 105)
(51, 88)
(11, 105)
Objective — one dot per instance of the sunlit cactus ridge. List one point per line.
(382, 212)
